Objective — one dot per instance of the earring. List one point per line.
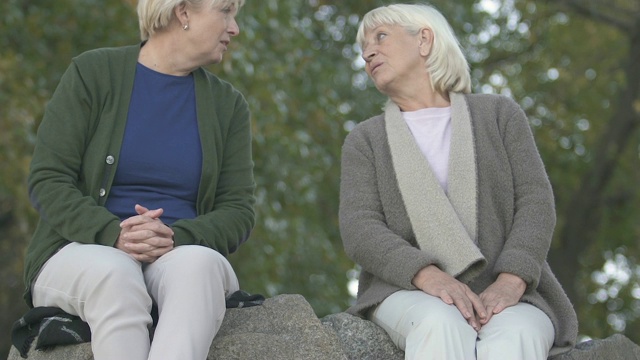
(185, 27)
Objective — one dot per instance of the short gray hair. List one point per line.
(446, 64)
(154, 15)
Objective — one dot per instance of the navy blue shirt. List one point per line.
(161, 156)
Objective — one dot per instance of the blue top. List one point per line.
(161, 156)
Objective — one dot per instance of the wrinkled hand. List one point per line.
(145, 236)
(506, 291)
(436, 282)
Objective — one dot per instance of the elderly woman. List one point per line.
(143, 179)
(446, 206)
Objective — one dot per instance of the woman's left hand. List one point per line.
(506, 291)
(145, 236)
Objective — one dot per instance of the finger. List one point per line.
(140, 209)
(144, 258)
(158, 228)
(154, 214)
(147, 236)
(152, 230)
(142, 219)
(146, 250)
(465, 307)
(444, 296)
(501, 305)
(486, 319)
(135, 220)
(478, 305)
(149, 244)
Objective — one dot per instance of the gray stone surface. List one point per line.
(362, 339)
(286, 328)
(615, 347)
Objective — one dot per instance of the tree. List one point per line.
(572, 65)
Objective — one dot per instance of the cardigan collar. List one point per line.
(444, 224)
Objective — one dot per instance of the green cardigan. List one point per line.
(77, 151)
(515, 214)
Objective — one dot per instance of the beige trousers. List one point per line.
(113, 293)
(426, 328)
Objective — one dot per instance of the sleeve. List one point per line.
(55, 180)
(229, 222)
(527, 244)
(367, 238)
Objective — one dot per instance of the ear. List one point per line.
(181, 13)
(426, 41)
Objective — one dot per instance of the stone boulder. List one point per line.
(286, 328)
(615, 347)
(362, 339)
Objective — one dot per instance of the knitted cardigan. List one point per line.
(515, 214)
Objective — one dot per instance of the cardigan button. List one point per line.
(103, 192)
(110, 160)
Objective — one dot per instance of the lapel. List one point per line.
(444, 224)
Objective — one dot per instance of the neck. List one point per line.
(415, 93)
(161, 54)
(420, 100)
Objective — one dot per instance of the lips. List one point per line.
(373, 67)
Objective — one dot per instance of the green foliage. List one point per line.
(297, 64)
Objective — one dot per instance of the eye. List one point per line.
(380, 36)
(229, 9)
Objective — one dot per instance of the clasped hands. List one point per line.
(145, 236)
(476, 309)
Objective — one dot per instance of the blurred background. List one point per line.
(573, 65)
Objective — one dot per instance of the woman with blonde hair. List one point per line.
(143, 179)
(446, 206)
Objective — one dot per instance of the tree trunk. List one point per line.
(583, 215)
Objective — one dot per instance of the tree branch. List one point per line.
(580, 8)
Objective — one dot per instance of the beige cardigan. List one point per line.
(514, 209)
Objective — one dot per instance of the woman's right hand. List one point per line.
(438, 283)
(145, 236)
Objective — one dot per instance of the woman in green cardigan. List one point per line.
(446, 206)
(143, 179)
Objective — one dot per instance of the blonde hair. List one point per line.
(447, 67)
(154, 15)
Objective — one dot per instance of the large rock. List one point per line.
(362, 339)
(615, 347)
(286, 328)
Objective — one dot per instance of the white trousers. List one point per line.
(426, 328)
(113, 293)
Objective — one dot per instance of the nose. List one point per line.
(233, 29)
(368, 53)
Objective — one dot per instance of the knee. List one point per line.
(200, 259)
(519, 332)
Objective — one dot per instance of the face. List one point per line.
(210, 32)
(394, 58)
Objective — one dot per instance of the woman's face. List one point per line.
(394, 58)
(210, 32)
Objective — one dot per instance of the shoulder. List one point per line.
(368, 129)
(491, 103)
(106, 67)
(115, 56)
